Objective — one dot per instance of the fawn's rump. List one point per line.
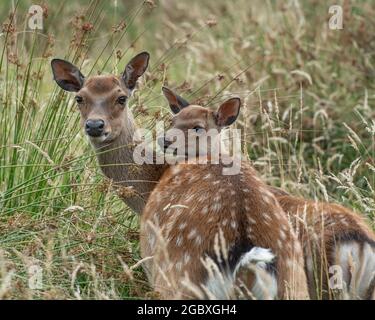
(357, 262)
(346, 272)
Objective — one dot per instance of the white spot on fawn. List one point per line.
(186, 258)
(216, 207)
(279, 244)
(267, 216)
(251, 220)
(282, 235)
(179, 241)
(179, 266)
(344, 222)
(182, 226)
(285, 227)
(198, 240)
(268, 199)
(207, 176)
(192, 233)
(191, 179)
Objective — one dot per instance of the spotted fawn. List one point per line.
(206, 231)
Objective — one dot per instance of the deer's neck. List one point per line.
(117, 163)
(118, 152)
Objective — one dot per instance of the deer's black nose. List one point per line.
(94, 128)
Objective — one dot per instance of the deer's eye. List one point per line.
(79, 99)
(122, 100)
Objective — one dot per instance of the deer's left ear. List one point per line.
(135, 68)
(228, 112)
(176, 102)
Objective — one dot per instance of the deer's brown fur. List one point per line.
(194, 203)
(99, 100)
(332, 235)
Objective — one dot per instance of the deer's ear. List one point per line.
(67, 75)
(135, 68)
(228, 112)
(176, 102)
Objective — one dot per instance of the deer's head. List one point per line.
(199, 126)
(102, 100)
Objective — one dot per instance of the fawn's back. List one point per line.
(194, 204)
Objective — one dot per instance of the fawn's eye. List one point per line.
(198, 129)
(79, 99)
(121, 100)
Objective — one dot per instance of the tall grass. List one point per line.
(308, 120)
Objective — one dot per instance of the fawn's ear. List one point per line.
(176, 102)
(67, 75)
(135, 68)
(228, 112)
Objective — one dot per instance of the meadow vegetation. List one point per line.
(308, 120)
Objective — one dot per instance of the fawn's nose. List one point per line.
(94, 128)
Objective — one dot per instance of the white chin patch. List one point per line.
(98, 140)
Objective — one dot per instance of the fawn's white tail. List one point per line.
(259, 260)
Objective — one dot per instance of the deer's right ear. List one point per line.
(135, 68)
(176, 102)
(67, 75)
(228, 112)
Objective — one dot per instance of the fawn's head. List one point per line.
(102, 100)
(199, 126)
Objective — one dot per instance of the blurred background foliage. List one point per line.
(308, 119)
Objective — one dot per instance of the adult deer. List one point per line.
(195, 207)
(110, 126)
